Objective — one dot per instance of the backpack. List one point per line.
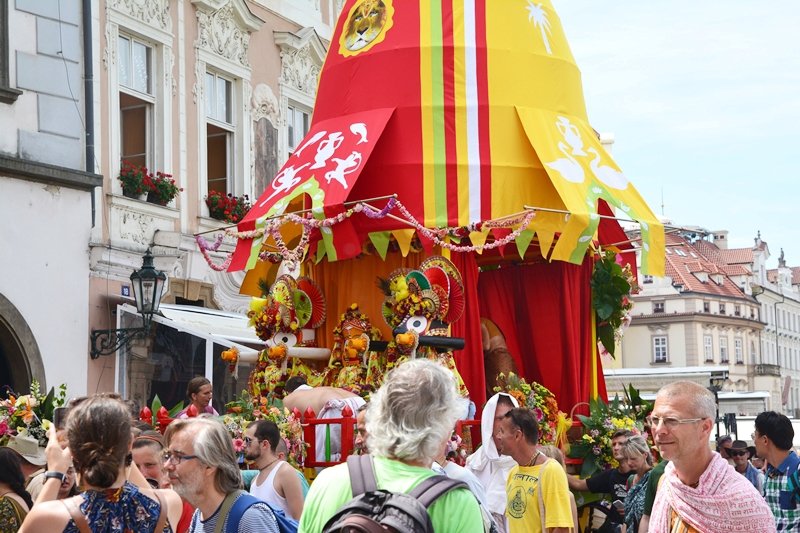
(242, 504)
(373, 509)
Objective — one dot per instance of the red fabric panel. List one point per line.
(544, 312)
(470, 360)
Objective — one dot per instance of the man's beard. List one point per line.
(250, 456)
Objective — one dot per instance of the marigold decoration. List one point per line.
(230, 356)
(612, 285)
(353, 366)
(553, 423)
(30, 414)
(246, 408)
(423, 302)
(279, 319)
(594, 446)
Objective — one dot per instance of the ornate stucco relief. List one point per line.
(151, 12)
(221, 35)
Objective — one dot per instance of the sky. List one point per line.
(703, 101)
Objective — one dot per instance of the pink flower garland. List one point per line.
(437, 235)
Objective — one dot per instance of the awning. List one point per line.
(324, 166)
(485, 101)
(220, 327)
(583, 172)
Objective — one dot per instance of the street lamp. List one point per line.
(716, 381)
(148, 286)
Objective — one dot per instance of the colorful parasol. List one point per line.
(472, 114)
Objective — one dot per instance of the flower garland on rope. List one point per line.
(437, 235)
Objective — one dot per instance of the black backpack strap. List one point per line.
(362, 474)
(433, 487)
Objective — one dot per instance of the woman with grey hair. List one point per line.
(409, 420)
(636, 453)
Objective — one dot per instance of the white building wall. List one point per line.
(45, 273)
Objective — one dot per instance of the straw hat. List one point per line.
(28, 448)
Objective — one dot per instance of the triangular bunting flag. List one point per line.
(545, 240)
(403, 238)
(478, 239)
(523, 241)
(380, 240)
(499, 235)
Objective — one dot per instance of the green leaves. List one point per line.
(611, 289)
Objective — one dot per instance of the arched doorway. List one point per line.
(20, 359)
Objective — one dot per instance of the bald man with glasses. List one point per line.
(698, 491)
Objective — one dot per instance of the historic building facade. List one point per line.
(47, 175)
(216, 93)
(716, 309)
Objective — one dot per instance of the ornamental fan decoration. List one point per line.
(435, 291)
(292, 304)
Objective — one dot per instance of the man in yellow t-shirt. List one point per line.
(518, 436)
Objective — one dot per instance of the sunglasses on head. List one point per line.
(737, 453)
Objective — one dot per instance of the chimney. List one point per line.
(721, 239)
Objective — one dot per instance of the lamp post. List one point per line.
(716, 382)
(148, 286)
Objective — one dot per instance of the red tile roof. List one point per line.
(686, 259)
(772, 275)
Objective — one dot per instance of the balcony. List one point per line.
(768, 370)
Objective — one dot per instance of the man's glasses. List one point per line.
(176, 457)
(670, 422)
(737, 453)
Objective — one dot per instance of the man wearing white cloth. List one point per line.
(487, 464)
(326, 402)
(699, 491)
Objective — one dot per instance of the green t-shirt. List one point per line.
(455, 511)
(652, 486)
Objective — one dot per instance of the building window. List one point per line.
(708, 348)
(220, 133)
(737, 310)
(706, 307)
(723, 349)
(8, 95)
(722, 309)
(647, 279)
(658, 307)
(738, 352)
(136, 100)
(298, 121)
(660, 354)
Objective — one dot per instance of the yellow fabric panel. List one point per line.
(583, 172)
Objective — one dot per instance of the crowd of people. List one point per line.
(132, 478)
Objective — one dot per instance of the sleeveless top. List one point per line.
(120, 510)
(11, 514)
(266, 491)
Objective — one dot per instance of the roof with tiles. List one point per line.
(772, 275)
(688, 266)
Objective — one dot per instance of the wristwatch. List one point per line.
(60, 476)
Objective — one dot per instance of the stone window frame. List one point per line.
(8, 94)
(222, 47)
(656, 349)
(130, 25)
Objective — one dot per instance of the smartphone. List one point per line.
(618, 504)
(60, 416)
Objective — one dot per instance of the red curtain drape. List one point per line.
(544, 312)
(470, 359)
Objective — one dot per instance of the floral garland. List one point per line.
(245, 409)
(438, 236)
(30, 414)
(204, 247)
(612, 285)
(594, 446)
(553, 423)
